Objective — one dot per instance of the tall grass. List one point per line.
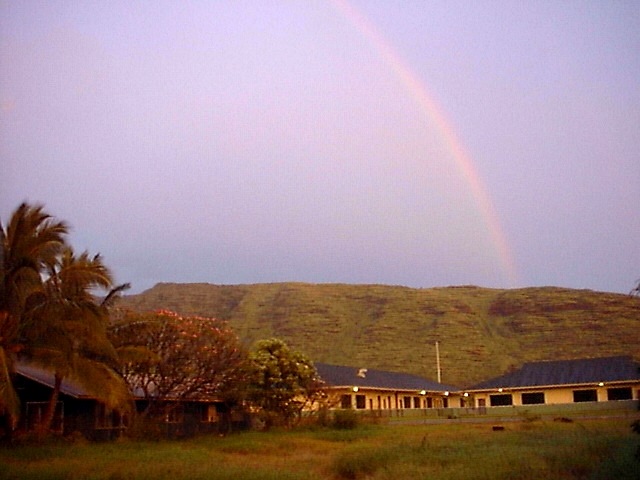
(522, 451)
(526, 450)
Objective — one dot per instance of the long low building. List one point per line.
(592, 383)
(562, 382)
(370, 389)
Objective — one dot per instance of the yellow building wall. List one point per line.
(555, 396)
(390, 400)
(560, 395)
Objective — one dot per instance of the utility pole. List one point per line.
(438, 361)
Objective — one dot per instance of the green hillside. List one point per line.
(481, 332)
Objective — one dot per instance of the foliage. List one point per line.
(282, 381)
(345, 419)
(635, 427)
(30, 242)
(63, 318)
(49, 312)
(165, 355)
(482, 331)
(64, 330)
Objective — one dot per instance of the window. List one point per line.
(210, 414)
(106, 418)
(532, 398)
(416, 402)
(429, 402)
(345, 401)
(407, 402)
(619, 394)
(35, 411)
(585, 396)
(175, 413)
(501, 400)
(361, 401)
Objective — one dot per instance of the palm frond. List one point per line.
(33, 233)
(114, 294)
(50, 359)
(30, 241)
(103, 383)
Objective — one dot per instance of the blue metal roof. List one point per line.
(341, 376)
(567, 372)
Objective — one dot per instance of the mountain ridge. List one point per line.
(482, 332)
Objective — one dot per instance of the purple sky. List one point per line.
(244, 142)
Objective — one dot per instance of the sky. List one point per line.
(417, 143)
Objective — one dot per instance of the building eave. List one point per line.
(507, 388)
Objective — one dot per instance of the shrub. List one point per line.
(362, 462)
(635, 426)
(345, 419)
(145, 428)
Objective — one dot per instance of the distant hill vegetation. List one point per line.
(481, 332)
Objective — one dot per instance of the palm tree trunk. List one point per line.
(9, 401)
(47, 419)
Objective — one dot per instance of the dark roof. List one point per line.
(340, 376)
(74, 389)
(567, 372)
(44, 377)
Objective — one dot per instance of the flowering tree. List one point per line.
(168, 356)
(282, 381)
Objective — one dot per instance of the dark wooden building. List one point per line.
(77, 411)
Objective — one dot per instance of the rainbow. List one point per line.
(426, 101)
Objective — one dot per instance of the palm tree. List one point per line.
(30, 242)
(49, 314)
(64, 330)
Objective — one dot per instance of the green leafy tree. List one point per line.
(166, 355)
(282, 381)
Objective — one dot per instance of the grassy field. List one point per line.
(596, 449)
